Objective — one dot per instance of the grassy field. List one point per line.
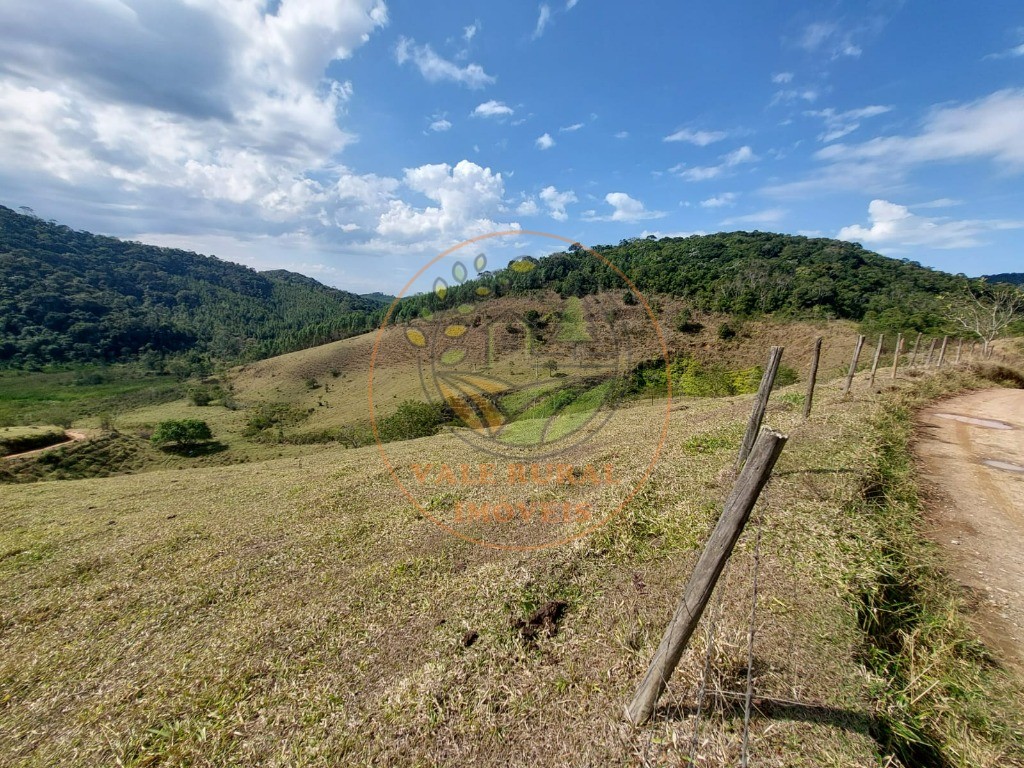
(301, 611)
(64, 397)
(271, 603)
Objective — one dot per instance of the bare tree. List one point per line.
(986, 310)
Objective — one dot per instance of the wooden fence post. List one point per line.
(942, 354)
(959, 349)
(760, 404)
(896, 354)
(809, 397)
(917, 342)
(931, 351)
(853, 365)
(874, 365)
(698, 590)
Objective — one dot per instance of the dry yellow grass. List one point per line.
(302, 612)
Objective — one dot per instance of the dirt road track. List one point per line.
(970, 451)
(72, 435)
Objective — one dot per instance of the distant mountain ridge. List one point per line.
(379, 298)
(68, 296)
(1014, 278)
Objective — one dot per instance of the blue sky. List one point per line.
(353, 140)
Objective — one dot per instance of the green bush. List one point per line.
(203, 395)
(412, 419)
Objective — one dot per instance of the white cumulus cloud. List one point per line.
(244, 127)
(894, 225)
(719, 201)
(625, 208)
(465, 198)
(544, 141)
(492, 108)
(557, 201)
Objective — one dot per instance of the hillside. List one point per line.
(740, 273)
(68, 296)
(302, 607)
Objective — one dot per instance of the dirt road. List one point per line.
(72, 435)
(970, 451)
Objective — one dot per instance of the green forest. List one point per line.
(75, 297)
(740, 273)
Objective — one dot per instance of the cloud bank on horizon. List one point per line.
(353, 139)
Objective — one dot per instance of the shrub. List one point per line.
(200, 396)
(686, 324)
(726, 332)
(412, 419)
(270, 415)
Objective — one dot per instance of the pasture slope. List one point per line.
(299, 610)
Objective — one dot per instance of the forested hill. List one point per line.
(1014, 278)
(743, 273)
(68, 296)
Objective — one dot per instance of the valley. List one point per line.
(458, 538)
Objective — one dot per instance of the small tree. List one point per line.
(987, 310)
(184, 433)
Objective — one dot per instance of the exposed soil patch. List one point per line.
(545, 619)
(970, 451)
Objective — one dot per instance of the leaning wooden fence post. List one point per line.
(853, 365)
(931, 352)
(917, 343)
(878, 354)
(959, 349)
(760, 404)
(698, 590)
(942, 354)
(809, 397)
(896, 354)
